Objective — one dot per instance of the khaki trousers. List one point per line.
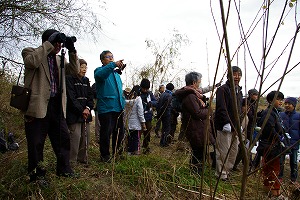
(223, 142)
(78, 150)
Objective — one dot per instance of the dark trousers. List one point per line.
(174, 123)
(165, 130)
(133, 140)
(36, 129)
(157, 126)
(197, 157)
(293, 165)
(146, 133)
(111, 126)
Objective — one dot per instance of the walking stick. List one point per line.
(86, 141)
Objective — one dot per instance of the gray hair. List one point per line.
(192, 77)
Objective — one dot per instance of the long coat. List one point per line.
(36, 66)
(194, 116)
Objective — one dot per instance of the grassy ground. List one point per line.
(162, 174)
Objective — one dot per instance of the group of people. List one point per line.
(235, 115)
(62, 99)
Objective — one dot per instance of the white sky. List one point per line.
(128, 23)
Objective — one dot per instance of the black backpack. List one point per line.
(176, 103)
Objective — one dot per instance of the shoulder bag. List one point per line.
(20, 95)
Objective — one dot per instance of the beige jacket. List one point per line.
(36, 64)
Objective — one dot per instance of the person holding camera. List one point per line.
(46, 111)
(110, 104)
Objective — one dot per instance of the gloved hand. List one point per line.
(70, 44)
(56, 37)
(227, 128)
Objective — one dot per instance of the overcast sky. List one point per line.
(128, 23)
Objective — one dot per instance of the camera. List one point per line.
(62, 38)
(119, 70)
(72, 38)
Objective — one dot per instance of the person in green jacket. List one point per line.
(110, 104)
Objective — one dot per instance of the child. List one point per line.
(269, 143)
(134, 115)
(291, 122)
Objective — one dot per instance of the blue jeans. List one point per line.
(293, 165)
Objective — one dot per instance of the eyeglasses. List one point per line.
(109, 57)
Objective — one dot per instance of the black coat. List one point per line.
(79, 96)
(224, 106)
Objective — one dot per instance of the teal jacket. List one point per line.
(109, 89)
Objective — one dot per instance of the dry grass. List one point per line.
(163, 174)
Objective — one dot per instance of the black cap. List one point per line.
(47, 34)
(252, 91)
(170, 86)
(145, 83)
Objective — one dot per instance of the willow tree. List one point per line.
(163, 67)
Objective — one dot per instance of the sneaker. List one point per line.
(223, 177)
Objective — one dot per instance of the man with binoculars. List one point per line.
(45, 75)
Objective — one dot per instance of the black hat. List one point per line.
(291, 100)
(145, 83)
(252, 91)
(47, 34)
(170, 86)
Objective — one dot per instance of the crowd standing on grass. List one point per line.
(161, 90)
(110, 104)
(124, 117)
(195, 117)
(269, 143)
(226, 124)
(46, 113)
(79, 105)
(149, 103)
(164, 114)
(291, 122)
(134, 120)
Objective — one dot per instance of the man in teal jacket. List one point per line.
(110, 103)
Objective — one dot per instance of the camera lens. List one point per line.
(61, 37)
